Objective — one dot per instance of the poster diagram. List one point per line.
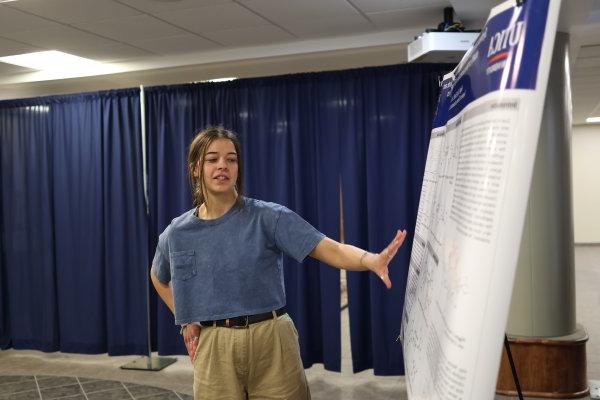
(473, 203)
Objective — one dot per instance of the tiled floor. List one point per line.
(44, 387)
(324, 385)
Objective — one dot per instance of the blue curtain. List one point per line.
(72, 218)
(73, 224)
(284, 160)
(384, 147)
(304, 137)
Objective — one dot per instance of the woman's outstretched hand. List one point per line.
(378, 263)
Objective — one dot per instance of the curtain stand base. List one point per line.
(150, 363)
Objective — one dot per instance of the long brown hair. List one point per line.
(196, 154)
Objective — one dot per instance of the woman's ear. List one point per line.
(194, 169)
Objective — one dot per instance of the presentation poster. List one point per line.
(473, 202)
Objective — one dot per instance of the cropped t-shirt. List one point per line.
(231, 265)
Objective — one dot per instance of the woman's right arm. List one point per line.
(190, 333)
(164, 291)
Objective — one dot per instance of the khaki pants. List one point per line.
(258, 362)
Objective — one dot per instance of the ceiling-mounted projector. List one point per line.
(446, 44)
(440, 47)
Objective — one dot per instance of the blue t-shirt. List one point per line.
(231, 265)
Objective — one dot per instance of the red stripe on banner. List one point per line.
(498, 56)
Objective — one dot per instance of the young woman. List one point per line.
(218, 267)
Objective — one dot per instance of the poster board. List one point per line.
(473, 202)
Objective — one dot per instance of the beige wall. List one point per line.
(586, 183)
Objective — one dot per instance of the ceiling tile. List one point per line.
(576, 70)
(59, 37)
(345, 25)
(112, 53)
(578, 87)
(156, 6)
(585, 73)
(588, 62)
(283, 11)
(10, 48)
(12, 20)
(12, 69)
(250, 36)
(589, 51)
(587, 34)
(589, 88)
(372, 6)
(596, 110)
(188, 43)
(585, 82)
(410, 18)
(587, 97)
(74, 10)
(213, 18)
(125, 29)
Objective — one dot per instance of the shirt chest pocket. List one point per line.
(184, 264)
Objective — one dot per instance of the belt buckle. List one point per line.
(229, 325)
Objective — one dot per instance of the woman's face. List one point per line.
(220, 167)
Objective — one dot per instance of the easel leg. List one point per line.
(512, 367)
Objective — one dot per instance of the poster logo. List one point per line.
(502, 42)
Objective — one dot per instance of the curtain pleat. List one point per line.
(74, 226)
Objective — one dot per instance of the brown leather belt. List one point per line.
(243, 321)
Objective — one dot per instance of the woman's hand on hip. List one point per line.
(191, 337)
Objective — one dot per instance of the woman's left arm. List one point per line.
(352, 258)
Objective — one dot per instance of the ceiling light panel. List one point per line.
(53, 61)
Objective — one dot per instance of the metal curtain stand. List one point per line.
(147, 363)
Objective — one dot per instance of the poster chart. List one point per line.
(473, 202)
